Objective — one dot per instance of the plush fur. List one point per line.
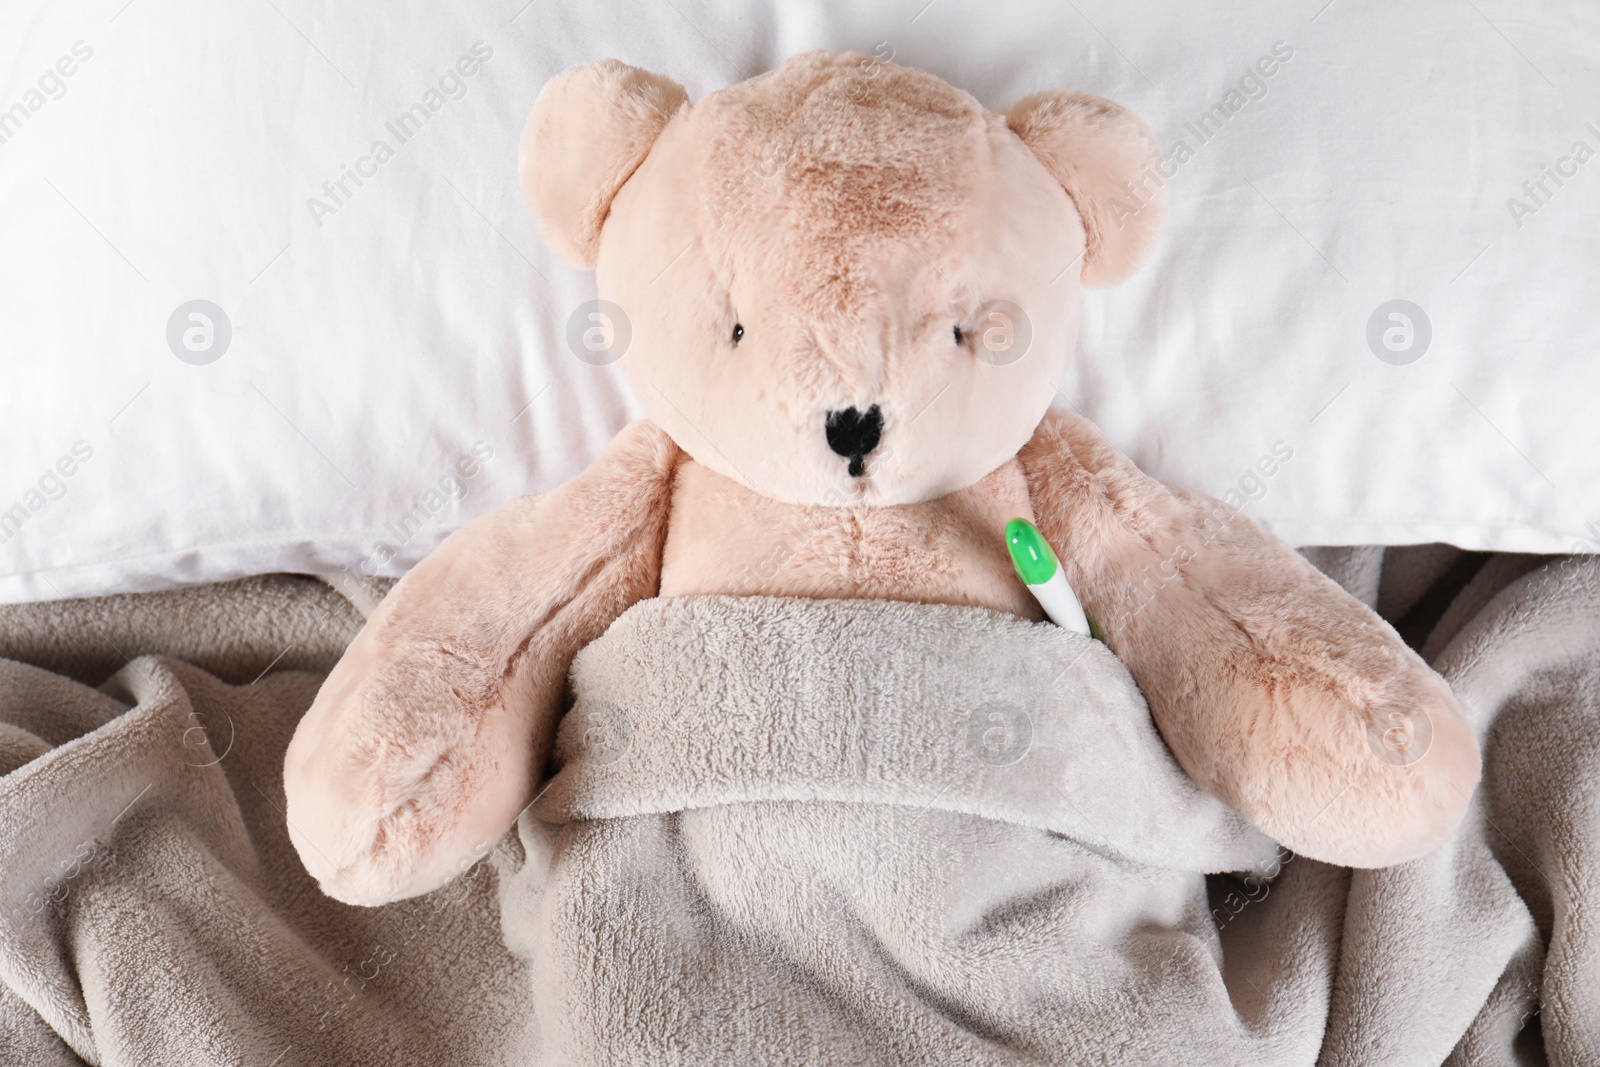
(850, 215)
(602, 118)
(949, 550)
(1271, 685)
(424, 743)
(1109, 163)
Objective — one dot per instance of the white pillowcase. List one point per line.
(341, 183)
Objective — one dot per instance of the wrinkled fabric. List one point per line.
(790, 831)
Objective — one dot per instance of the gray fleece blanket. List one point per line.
(781, 831)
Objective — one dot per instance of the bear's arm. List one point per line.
(1277, 692)
(425, 741)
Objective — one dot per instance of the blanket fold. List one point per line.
(700, 701)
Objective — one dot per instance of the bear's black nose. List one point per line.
(853, 434)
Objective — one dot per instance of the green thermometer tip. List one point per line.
(1031, 554)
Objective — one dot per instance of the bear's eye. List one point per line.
(960, 337)
(738, 333)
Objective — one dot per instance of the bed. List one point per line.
(257, 368)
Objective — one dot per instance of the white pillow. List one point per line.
(396, 362)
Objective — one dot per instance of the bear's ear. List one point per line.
(588, 132)
(1092, 147)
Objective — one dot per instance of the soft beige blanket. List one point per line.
(790, 832)
(152, 909)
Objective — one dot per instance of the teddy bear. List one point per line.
(850, 292)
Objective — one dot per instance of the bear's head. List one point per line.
(843, 281)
